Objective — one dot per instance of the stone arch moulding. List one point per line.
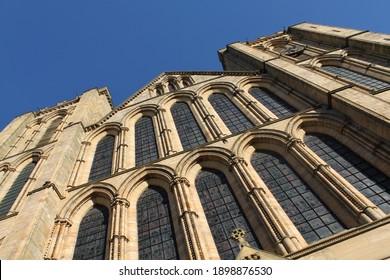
(344, 131)
(62, 240)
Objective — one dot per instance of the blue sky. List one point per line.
(52, 50)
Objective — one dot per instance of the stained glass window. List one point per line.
(17, 186)
(92, 236)
(156, 237)
(223, 212)
(49, 132)
(309, 214)
(233, 118)
(102, 161)
(189, 131)
(366, 81)
(363, 176)
(145, 141)
(276, 105)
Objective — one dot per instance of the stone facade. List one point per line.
(279, 99)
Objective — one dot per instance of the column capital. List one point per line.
(179, 180)
(120, 201)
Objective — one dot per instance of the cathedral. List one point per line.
(285, 154)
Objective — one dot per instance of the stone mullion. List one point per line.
(285, 241)
(164, 133)
(60, 231)
(364, 210)
(121, 150)
(119, 236)
(252, 106)
(207, 117)
(80, 160)
(187, 221)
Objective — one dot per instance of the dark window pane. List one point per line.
(223, 212)
(363, 176)
(145, 141)
(233, 118)
(15, 189)
(156, 237)
(186, 125)
(356, 77)
(92, 235)
(102, 161)
(276, 105)
(305, 209)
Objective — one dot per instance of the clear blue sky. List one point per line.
(52, 50)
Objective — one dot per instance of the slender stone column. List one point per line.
(207, 117)
(122, 146)
(56, 241)
(119, 233)
(286, 241)
(165, 133)
(252, 106)
(187, 218)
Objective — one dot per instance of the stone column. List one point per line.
(56, 240)
(165, 133)
(363, 209)
(122, 146)
(179, 187)
(119, 236)
(207, 117)
(286, 241)
(252, 106)
(80, 160)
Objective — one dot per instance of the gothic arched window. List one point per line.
(233, 118)
(92, 236)
(188, 129)
(102, 161)
(355, 77)
(309, 214)
(145, 141)
(223, 212)
(50, 131)
(156, 237)
(371, 182)
(276, 105)
(14, 191)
